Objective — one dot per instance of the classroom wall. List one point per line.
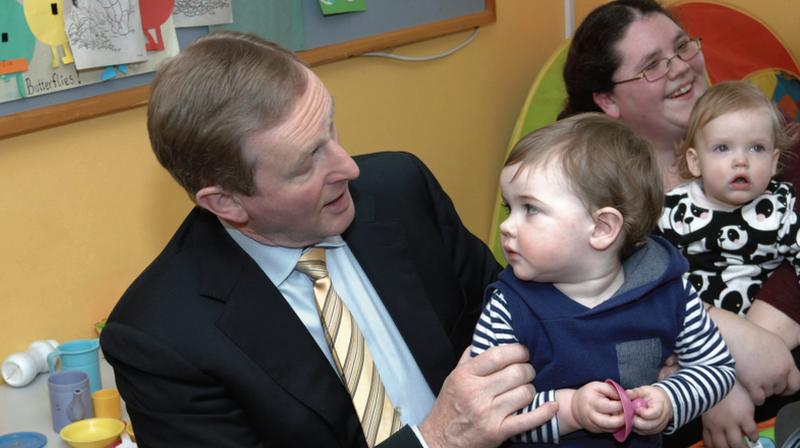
(85, 206)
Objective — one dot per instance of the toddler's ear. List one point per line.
(607, 228)
(693, 162)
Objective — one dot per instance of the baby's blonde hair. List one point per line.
(727, 97)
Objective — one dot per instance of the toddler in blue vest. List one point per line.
(592, 295)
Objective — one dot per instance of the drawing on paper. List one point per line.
(195, 8)
(104, 32)
(99, 24)
(202, 12)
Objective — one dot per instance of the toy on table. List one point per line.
(19, 369)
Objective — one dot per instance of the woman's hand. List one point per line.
(670, 366)
(724, 424)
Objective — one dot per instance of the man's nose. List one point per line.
(345, 165)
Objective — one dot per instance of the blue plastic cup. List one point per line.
(79, 354)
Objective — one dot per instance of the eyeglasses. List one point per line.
(659, 68)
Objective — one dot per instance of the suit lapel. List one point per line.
(262, 324)
(383, 252)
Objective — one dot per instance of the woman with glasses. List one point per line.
(631, 60)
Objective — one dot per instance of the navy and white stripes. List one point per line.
(705, 376)
(706, 372)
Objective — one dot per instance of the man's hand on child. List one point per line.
(653, 417)
(724, 424)
(477, 404)
(596, 408)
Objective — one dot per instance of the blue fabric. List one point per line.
(634, 331)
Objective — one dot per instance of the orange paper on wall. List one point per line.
(13, 66)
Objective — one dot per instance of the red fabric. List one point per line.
(735, 44)
(782, 289)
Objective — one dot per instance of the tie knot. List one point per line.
(312, 263)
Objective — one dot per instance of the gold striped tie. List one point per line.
(378, 417)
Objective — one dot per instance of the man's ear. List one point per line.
(607, 103)
(693, 162)
(607, 228)
(222, 203)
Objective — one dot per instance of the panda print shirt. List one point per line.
(731, 252)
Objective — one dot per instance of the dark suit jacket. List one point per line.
(206, 351)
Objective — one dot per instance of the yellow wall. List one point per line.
(85, 207)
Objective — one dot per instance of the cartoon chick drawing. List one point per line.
(46, 20)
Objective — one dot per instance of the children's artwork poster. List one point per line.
(103, 33)
(36, 56)
(202, 12)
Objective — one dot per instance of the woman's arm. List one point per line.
(776, 321)
(782, 290)
(764, 365)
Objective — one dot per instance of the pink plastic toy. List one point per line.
(629, 408)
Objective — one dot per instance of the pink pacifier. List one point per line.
(629, 408)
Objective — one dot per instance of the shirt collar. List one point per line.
(277, 262)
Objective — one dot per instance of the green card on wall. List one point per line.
(330, 7)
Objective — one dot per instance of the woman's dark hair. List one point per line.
(592, 58)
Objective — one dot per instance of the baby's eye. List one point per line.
(720, 148)
(531, 210)
(758, 148)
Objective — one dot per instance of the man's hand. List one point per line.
(479, 399)
(724, 424)
(764, 365)
(655, 414)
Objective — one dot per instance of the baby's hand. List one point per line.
(595, 408)
(654, 415)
